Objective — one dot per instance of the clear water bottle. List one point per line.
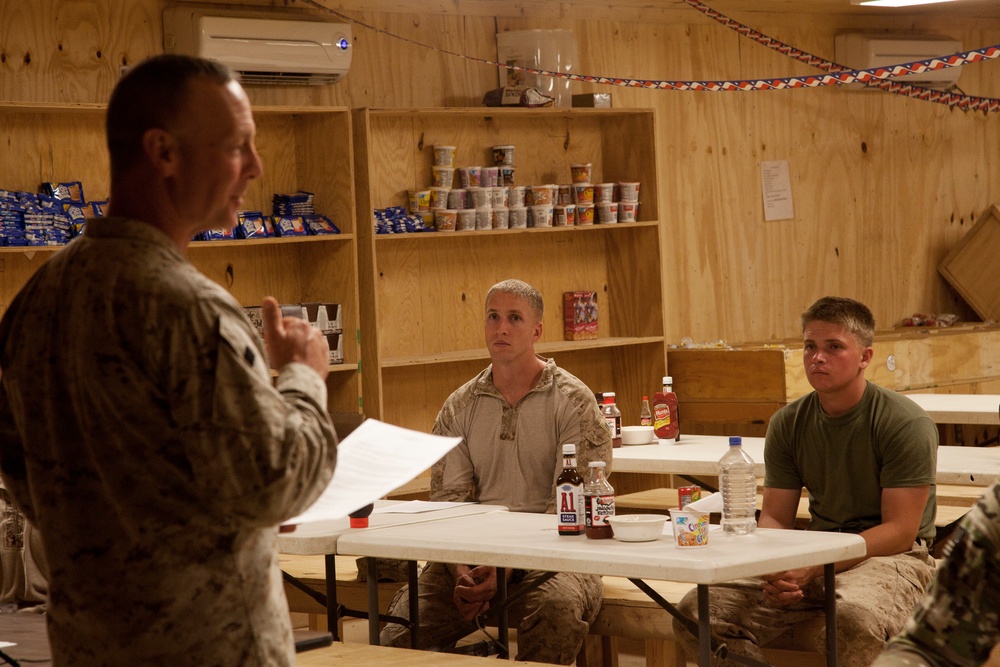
(739, 489)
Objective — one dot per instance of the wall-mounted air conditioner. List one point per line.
(262, 50)
(865, 51)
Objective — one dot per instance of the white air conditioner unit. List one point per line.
(262, 50)
(864, 51)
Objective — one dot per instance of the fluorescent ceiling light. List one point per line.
(896, 3)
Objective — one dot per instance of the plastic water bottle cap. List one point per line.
(735, 441)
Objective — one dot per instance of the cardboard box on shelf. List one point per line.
(579, 315)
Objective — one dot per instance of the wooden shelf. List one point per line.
(302, 148)
(422, 293)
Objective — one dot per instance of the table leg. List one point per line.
(373, 624)
(704, 628)
(830, 584)
(502, 629)
(332, 610)
(411, 578)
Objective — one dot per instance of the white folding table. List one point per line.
(960, 408)
(320, 538)
(531, 542)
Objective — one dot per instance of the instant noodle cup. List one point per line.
(444, 177)
(501, 217)
(690, 528)
(503, 155)
(607, 212)
(628, 211)
(565, 195)
(439, 197)
(542, 195)
(470, 177)
(444, 156)
(499, 196)
(466, 219)
(445, 219)
(420, 200)
(490, 177)
(506, 175)
(563, 216)
(515, 196)
(585, 214)
(458, 198)
(580, 172)
(478, 197)
(484, 218)
(628, 191)
(604, 192)
(517, 217)
(542, 215)
(583, 193)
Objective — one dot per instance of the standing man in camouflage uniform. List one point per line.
(867, 456)
(514, 417)
(958, 622)
(139, 427)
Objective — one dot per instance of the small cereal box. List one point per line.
(324, 316)
(336, 344)
(579, 315)
(256, 317)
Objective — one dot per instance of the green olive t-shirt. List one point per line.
(885, 441)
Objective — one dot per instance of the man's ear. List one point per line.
(161, 150)
(536, 336)
(866, 356)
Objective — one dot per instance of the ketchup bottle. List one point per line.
(665, 422)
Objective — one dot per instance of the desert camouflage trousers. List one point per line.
(958, 621)
(874, 599)
(555, 616)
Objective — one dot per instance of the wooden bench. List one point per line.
(340, 653)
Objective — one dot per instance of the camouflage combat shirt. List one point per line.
(512, 455)
(140, 431)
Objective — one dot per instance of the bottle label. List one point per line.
(646, 421)
(662, 413)
(570, 508)
(601, 507)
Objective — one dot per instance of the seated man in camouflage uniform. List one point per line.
(514, 417)
(958, 622)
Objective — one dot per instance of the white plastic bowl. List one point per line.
(637, 435)
(637, 527)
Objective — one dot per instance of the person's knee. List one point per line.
(860, 635)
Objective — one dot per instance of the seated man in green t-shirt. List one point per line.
(867, 457)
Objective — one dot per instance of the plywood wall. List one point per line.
(883, 186)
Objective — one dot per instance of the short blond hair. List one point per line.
(521, 289)
(848, 313)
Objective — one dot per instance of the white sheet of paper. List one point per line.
(414, 507)
(372, 461)
(776, 187)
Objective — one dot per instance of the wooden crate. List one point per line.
(735, 391)
(969, 267)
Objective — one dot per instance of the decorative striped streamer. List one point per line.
(837, 75)
(966, 102)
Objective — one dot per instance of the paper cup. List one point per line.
(444, 176)
(517, 217)
(478, 197)
(439, 197)
(420, 200)
(445, 219)
(628, 191)
(501, 217)
(470, 177)
(542, 215)
(607, 212)
(585, 214)
(506, 175)
(498, 196)
(484, 218)
(490, 177)
(583, 193)
(563, 216)
(690, 529)
(458, 198)
(515, 196)
(503, 155)
(565, 196)
(628, 211)
(444, 156)
(580, 172)
(542, 195)
(466, 219)
(604, 192)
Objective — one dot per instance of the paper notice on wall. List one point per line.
(776, 187)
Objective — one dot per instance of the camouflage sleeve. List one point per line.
(595, 438)
(958, 622)
(12, 463)
(452, 476)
